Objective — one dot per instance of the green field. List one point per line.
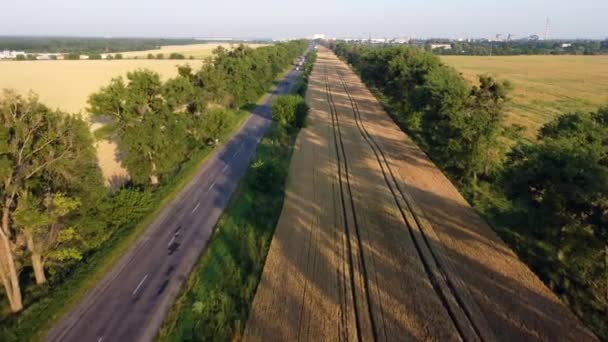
(544, 86)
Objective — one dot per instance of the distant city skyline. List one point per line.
(281, 19)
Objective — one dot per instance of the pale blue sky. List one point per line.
(277, 19)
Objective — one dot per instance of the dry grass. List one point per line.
(544, 86)
(198, 51)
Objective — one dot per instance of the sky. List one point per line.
(285, 19)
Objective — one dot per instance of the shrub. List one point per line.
(290, 110)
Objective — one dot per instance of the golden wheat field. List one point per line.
(544, 86)
(197, 51)
(66, 85)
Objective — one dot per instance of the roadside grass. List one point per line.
(217, 297)
(544, 86)
(44, 306)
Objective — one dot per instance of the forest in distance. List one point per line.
(59, 221)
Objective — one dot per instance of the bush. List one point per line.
(176, 55)
(72, 56)
(150, 56)
(290, 110)
(118, 56)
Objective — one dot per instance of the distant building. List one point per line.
(6, 54)
(566, 45)
(441, 46)
(318, 36)
(44, 56)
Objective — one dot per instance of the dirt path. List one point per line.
(374, 243)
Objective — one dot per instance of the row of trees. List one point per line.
(86, 45)
(552, 192)
(56, 211)
(522, 47)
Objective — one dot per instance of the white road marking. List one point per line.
(139, 285)
(197, 205)
(171, 241)
(100, 339)
(236, 153)
(211, 186)
(225, 167)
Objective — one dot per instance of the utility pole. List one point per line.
(547, 28)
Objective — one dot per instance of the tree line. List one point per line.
(522, 47)
(56, 211)
(548, 198)
(87, 45)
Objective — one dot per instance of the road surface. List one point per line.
(130, 302)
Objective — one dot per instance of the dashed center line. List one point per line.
(211, 186)
(139, 285)
(197, 205)
(225, 167)
(100, 339)
(171, 241)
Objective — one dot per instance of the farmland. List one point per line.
(197, 51)
(375, 243)
(67, 85)
(544, 86)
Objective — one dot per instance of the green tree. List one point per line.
(289, 110)
(41, 152)
(150, 136)
(39, 220)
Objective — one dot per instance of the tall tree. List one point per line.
(150, 136)
(40, 151)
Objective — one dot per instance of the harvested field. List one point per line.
(375, 243)
(544, 86)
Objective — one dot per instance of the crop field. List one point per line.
(375, 243)
(67, 85)
(197, 51)
(544, 86)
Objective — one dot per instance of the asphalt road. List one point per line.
(130, 302)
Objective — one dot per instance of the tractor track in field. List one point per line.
(440, 280)
(343, 178)
(374, 243)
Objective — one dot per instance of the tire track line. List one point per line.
(440, 280)
(341, 156)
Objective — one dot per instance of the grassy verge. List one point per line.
(218, 295)
(215, 303)
(49, 304)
